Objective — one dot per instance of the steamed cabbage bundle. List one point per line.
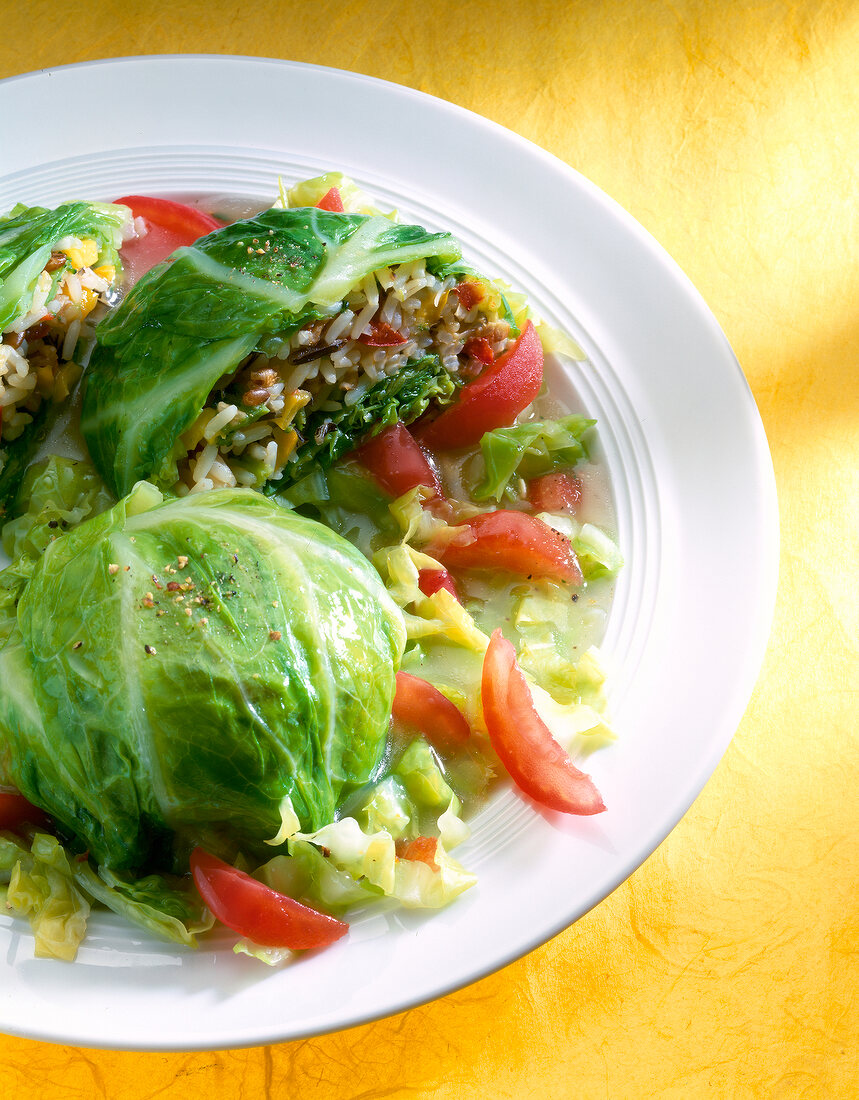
(178, 669)
(243, 291)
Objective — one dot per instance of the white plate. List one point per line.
(694, 494)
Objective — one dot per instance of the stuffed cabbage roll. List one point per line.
(275, 345)
(175, 671)
(58, 268)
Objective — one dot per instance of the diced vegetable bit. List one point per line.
(511, 541)
(534, 759)
(331, 200)
(419, 771)
(493, 399)
(422, 848)
(256, 911)
(557, 492)
(419, 705)
(469, 294)
(379, 334)
(479, 348)
(431, 580)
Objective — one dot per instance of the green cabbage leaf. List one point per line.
(530, 450)
(42, 882)
(176, 669)
(55, 495)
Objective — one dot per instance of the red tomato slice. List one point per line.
(536, 762)
(331, 201)
(431, 580)
(493, 400)
(381, 335)
(556, 492)
(397, 462)
(513, 541)
(258, 912)
(15, 810)
(420, 705)
(170, 225)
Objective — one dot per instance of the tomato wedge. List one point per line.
(493, 400)
(15, 811)
(513, 541)
(536, 762)
(332, 201)
(177, 218)
(258, 912)
(431, 581)
(170, 225)
(420, 705)
(397, 462)
(556, 492)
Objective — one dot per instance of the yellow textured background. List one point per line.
(727, 965)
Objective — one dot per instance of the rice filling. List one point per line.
(398, 315)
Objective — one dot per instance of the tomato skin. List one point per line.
(15, 811)
(397, 462)
(513, 541)
(170, 224)
(332, 201)
(256, 911)
(556, 492)
(536, 762)
(493, 400)
(420, 705)
(431, 581)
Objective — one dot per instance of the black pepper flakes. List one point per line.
(150, 650)
(77, 645)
